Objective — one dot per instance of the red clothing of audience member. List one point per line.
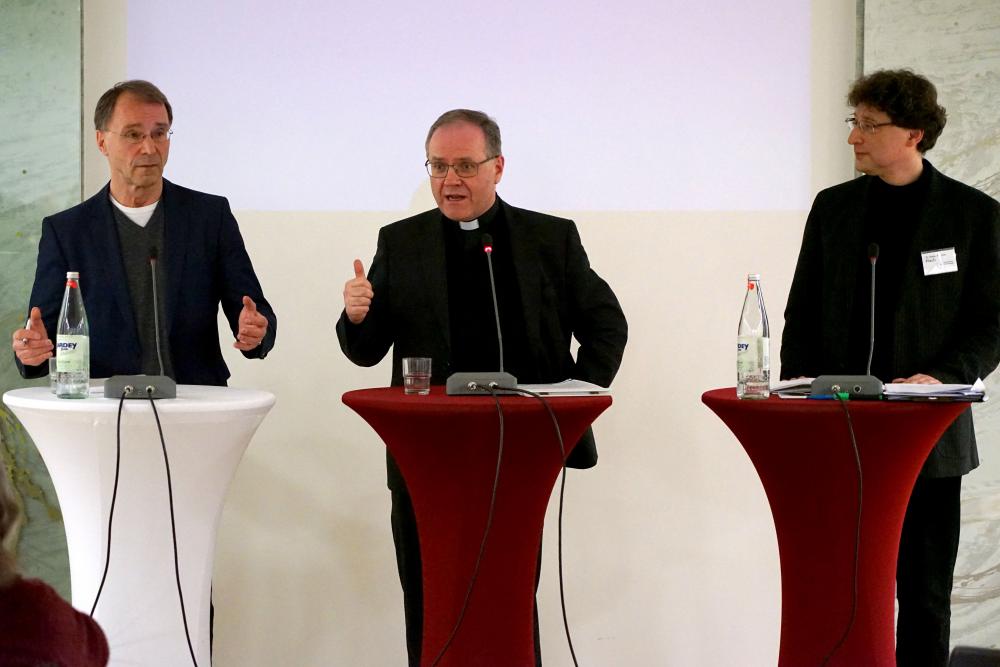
(37, 627)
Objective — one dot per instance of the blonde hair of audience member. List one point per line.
(10, 517)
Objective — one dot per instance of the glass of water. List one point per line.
(53, 374)
(417, 375)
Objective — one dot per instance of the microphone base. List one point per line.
(161, 385)
(857, 387)
(469, 384)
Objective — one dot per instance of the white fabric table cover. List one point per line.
(206, 429)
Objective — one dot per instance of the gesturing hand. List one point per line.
(252, 326)
(31, 344)
(358, 294)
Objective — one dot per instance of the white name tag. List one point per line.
(939, 261)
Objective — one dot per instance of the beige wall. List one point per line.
(670, 550)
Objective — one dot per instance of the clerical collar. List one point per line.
(482, 222)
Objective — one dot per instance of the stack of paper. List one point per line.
(566, 388)
(797, 388)
(936, 392)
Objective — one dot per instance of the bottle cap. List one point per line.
(753, 276)
(72, 275)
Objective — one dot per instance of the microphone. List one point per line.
(856, 386)
(145, 386)
(465, 383)
(156, 307)
(872, 257)
(488, 249)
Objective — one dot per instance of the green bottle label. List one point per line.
(72, 354)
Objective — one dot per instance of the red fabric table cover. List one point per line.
(446, 449)
(802, 452)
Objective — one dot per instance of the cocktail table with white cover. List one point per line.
(207, 429)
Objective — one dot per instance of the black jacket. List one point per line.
(561, 296)
(206, 265)
(946, 325)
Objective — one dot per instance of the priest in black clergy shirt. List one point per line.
(427, 294)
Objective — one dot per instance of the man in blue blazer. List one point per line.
(937, 315)
(428, 294)
(137, 225)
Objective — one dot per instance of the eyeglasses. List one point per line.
(864, 126)
(463, 169)
(159, 136)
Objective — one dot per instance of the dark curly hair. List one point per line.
(909, 99)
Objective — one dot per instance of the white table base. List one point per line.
(206, 429)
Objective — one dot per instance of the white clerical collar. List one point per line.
(468, 226)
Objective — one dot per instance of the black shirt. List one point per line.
(473, 328)
(891, 216)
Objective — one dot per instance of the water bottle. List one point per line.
(72, 343)
(753, 345)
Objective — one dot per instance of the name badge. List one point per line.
(939, 261)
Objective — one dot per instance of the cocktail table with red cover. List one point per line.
(802, 452)
(446, 449)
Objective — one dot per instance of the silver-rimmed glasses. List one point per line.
(863, 125)
(160, 135)
(463, 168)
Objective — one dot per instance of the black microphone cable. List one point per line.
(486, 533)
(562, 494)
(857, 538)
(111, 513)
(173, 525)
(114, 496)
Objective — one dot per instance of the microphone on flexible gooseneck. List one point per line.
(460, 384)
(156, 308)
(872, 257)
(869, 381)
(145, 386)
(488, 249)
(855, 386)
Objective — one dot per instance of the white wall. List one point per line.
(670, 550)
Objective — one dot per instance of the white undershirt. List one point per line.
(140, 215)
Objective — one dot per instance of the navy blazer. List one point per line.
(946, 325)
(206, 265)
(561, 296)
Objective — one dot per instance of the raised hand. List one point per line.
(358, 294)
(31, 344)
(252, 327)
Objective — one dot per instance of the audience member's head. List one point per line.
(10, 515)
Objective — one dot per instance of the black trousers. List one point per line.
(925, 568)
(404, 536)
